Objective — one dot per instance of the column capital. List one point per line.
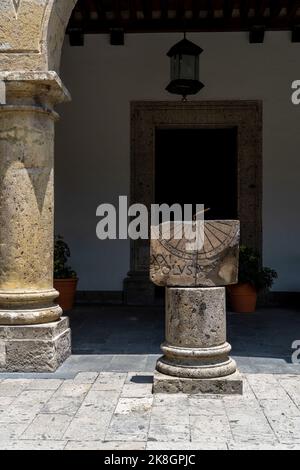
(31, 88)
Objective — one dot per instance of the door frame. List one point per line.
(246, 116)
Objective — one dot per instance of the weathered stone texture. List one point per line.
(32, 33)
(39, 348)
(26, 197)
(229, 385)
(174, 263)
(195, 318)
(195, 345)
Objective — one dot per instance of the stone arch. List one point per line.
(32, 33)
(56, 19)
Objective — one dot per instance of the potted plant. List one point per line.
(65, 279)
(252, 279)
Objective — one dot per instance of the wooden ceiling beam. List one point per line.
(196, 7)
(100, 10)
(244, 9)
(180, 9)
(275, 8)
(132, 9)
(228, 9)
(260, 8)
(293, 6)
(164, 7)
(81, 17)
(210, 7)
(147, 9)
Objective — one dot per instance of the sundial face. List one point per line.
(215, 263)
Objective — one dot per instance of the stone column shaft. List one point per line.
(26, 198)
(27, 296)
(26, 215)
(196, 353)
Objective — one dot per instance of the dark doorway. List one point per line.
(198, 166)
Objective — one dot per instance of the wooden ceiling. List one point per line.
(119, 17)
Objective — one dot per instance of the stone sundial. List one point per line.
(195, 351)
(215, 264)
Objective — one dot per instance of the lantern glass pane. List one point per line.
(197, 68)
(175, 67)
(188, 69)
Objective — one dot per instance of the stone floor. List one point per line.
(94, 401)
(114, 410)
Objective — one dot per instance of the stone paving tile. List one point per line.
(128, 362)
(262, 446)
(106, 399)
(178, 400)
(131, 427)
(247, 420)
(139, 378)
(84, 363)
(177, 446)
(26, 406)
(118, 411)
(208, 420)
(13, 387)
(62, 405)
(47, 426)
(67, 399)
(130, 421)
(169, 424)
(44, 384)
(99, 445)
(150, 365)
(136, 390)
(110, 381)
(5, 402)
(32, 445)
(86, 377)
(12, 430)
(72, 389)
(284, 418)
(266, 387)
(128, 406)
(88, 427)
(169, 433)
(292, 387)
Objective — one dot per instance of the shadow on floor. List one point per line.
(127, 330)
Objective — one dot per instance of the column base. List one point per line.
(34, 348)
(230, 385)
(206, 363)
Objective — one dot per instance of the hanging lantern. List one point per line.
(185, 68)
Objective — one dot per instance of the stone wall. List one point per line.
(93, 137)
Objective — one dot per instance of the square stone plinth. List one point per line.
(34, 348)
(229, 385)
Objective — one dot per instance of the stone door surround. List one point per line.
(146, 117)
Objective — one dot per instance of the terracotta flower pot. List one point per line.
(67, 291)
(242, 297)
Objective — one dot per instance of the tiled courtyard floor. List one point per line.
(114, 410)
(94, 402)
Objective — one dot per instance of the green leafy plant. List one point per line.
(250, 270)
(61, 256)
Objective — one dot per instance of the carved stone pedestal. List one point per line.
(196, 354)
(34, 348)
